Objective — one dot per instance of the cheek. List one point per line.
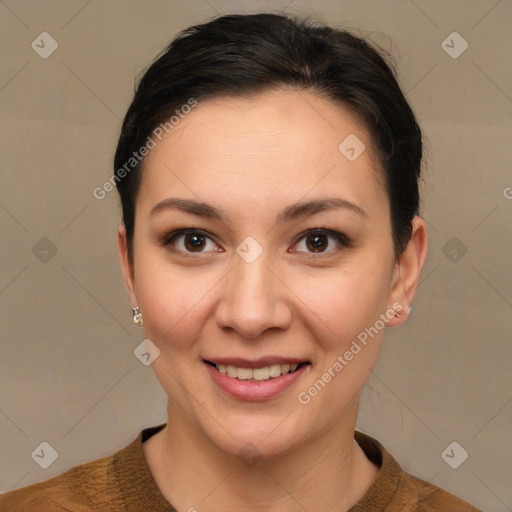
(342, 303)
(173, 302)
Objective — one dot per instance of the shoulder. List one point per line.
(76, 490)
(430, 498)
(395, 490)
(115, 483)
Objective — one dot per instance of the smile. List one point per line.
(264, 373)
(265, 380)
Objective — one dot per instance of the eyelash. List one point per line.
(342, 239)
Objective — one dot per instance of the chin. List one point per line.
(260, 439)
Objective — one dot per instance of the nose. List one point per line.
(254, 299)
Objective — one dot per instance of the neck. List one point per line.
(329, 472)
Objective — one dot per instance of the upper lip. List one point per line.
(261, 362)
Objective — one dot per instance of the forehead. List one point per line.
(262, 150)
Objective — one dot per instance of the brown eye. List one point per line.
(319, 240)
(317, 243)
(192, 241)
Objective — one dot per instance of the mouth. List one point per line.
(261, 373)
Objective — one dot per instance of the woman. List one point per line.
(268, 172)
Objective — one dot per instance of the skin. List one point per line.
(252, 157)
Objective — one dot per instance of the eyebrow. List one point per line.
(291, 212)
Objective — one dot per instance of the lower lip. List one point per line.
(255, 389)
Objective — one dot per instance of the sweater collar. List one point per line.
(133, 474)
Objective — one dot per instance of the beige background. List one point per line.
(68, 375)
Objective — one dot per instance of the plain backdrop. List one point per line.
(68, 373)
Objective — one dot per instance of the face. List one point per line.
(290, 261)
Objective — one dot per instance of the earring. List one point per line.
(137, 316)
(398, 315)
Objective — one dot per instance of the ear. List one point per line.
(406, 273)
(126, 265)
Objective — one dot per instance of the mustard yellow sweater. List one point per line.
(123, 482)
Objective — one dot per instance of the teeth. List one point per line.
(259, 373)
(275, 370)
(265, 373)
(244, 373)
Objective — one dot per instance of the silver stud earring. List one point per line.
(137, 316)
(398, 315)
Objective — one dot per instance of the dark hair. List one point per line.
(247, 54)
